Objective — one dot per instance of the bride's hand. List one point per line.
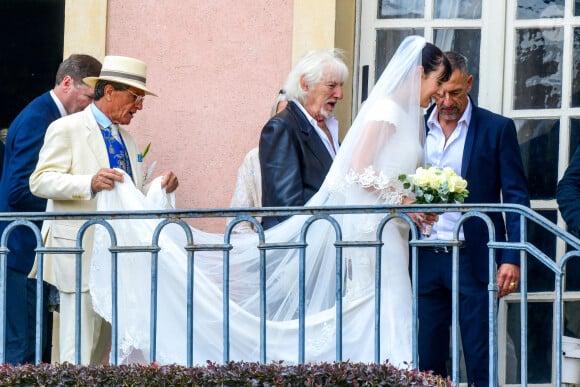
(421, 219)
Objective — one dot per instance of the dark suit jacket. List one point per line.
(23, 142)
(293, 161)
(492, 165)
(568, 194)
(1, 157)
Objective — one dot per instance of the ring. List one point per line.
(512, 285)
(417, 218)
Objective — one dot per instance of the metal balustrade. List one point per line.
(315, 214)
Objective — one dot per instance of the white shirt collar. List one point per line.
(331, 124)
(59, 104)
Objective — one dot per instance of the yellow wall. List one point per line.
(85, 28)
(322, 24)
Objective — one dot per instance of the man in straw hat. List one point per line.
(24, 140)
(76, 162)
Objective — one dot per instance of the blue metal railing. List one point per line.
(316, 214)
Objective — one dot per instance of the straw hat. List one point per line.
(122, 69)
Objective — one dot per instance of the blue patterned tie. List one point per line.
(118, 156)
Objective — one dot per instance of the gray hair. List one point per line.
(458, 62)
(100, 88)
(316, 66)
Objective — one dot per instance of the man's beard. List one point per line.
(326, 114)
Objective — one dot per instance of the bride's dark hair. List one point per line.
(432, 58)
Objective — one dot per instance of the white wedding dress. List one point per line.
(384, 141)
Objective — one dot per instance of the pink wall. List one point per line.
(216, 66)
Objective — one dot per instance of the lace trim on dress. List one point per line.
(389, 188)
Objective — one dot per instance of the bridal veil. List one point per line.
(384, 141)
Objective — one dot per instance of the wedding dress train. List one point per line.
(383, 142)
(134, 293)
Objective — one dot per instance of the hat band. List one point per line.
(107, 73)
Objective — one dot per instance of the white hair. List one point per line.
(315, 66)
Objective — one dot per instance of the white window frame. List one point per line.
(498, 24)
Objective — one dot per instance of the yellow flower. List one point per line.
(421, 177)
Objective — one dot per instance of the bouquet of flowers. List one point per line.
(433, 185)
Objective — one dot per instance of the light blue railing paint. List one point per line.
(317, 214)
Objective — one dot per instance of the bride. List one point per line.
(384, 141)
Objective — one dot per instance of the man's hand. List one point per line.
(169, 182)
(105, 179)
(421, 219)
(508, 276)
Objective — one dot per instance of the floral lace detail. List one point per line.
(389, 188)
(315, 345)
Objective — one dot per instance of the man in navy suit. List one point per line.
(483, 148)
(298, 144)
(1, 157)
(568, 193)
(23, 142)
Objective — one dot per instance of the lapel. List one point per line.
(309, 136)
(94, 139)
(132, 151)
(469, 139)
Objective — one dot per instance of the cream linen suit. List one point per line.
(73, 151)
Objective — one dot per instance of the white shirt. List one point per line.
(59, 104)
(440, 153)
(331, 124)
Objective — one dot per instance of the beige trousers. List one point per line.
(95, 331)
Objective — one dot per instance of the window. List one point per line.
(525, 58)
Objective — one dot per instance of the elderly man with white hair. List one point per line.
(298, 145)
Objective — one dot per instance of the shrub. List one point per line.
(213, 374)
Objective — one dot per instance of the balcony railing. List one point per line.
(314, 214)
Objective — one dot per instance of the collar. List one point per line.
(100, 117)
(331, 122)
(59, 104)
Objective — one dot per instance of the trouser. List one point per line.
(21, 320)
(435, 312)
(95, 331)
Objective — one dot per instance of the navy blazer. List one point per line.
(493, 167)
(1, 157)
(293, 161)
(23, 142)
(568, 194)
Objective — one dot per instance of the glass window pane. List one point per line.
(387, 43)
(401, 9)
(539, 147)
(572, 319)
(538, 83)
(576, 69)
(540, 278)
(540, 9)
(467, 43)
(539, 340)
(577, 8)
(458, 9)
